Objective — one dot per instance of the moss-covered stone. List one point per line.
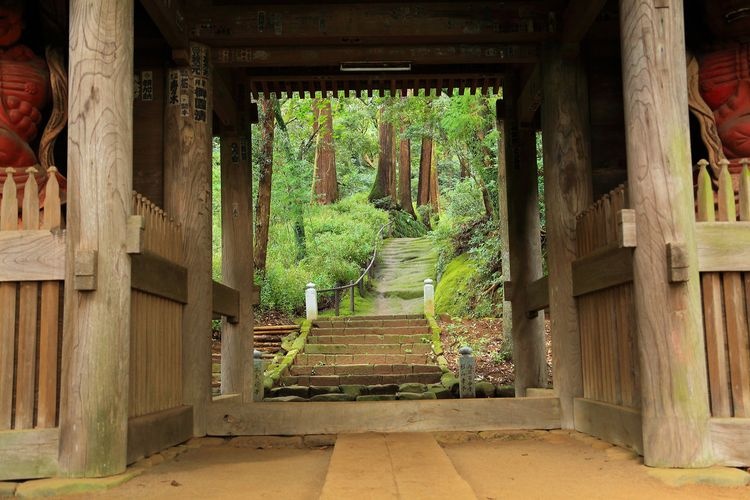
(292, 390)
(484, 389)
(316, 390)
(413, 396)
(354, 390)
(377, 397)
(382, 389)
(412, 387)
(285, 399)
(451, 293)
(333, 397)
(441, 392)
(505, 391)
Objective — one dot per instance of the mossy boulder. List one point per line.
(412, 396)
(354, 390)
(377, 397)
(452, 291)
(505, 391)
(333, 397)
(316, 390)
(484, 389)
(412, 387)
(292, 390)
(382, 389)
(441, 392)
(286, 399)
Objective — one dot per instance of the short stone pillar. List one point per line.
(258, 388)
(311, 302)
(467, 371)
(429, 298)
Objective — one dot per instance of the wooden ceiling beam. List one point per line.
(578, 17)
(530, 98)
(371, 22)
(225, 104)
(169, 18)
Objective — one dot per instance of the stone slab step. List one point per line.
(389, 378)
(364, 323)
(344, 359)
(363, 369)
(412, 348)
(366, 317)
(403, 465)
(368, 339)
(374, 330)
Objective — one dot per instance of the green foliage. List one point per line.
(452, 293)
(404, 225)
(216, 211)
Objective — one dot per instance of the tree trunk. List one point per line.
(385, 179)
(434, 191)
(325, 184)
(263, 203)
(425, 170)
(404, 178)
(464, 163)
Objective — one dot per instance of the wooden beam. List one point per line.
(722, 246)
(537, 294)
(96, 336)
(602, 270)
(226, 301)
(157, 276)
(674, 388)
(305, 56)
(225, 103)
(28, 454)
(232, 419)
(32, 255)
(169, 18)
(149, 434)
(567, 189)
(578, 17)
(618, 425)
(368, 23)
(731, 441)
(531, 97)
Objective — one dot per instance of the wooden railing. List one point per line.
(723, 237)
(32, 253)
(602, 283)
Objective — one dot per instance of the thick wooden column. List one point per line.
(524, 246)
(567, 188)
(96, 346)
(187, 197)
(502, 204)
(237, 255)
(674, 384)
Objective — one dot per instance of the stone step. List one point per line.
(370, 323)
(363, 369)
(368, 339)
(366, 317)
(353, 330)
(374, 379)
(348, 359)
(412, 348)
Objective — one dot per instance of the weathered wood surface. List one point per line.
(524, 246)
(537, 294)
(161, 277)
(615, 424)
(568, 191)
(226, 302)
(31, 255)
(721, 246)
(8, 222)
(28, 454)
(675, 388)
(602, 270)
(731, 441)
(96, 344)
(231, 418)
(149, 434)
(187, 194)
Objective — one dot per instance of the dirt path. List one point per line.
(399, 278)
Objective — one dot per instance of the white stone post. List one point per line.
(429, 298)
(311, 302)
(467, 371)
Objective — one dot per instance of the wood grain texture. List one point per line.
(149, 434)
(568, 191)
(96, 341)
(618, 425)
(731, 441)
(226, 301)
(232, 418)
(602, 270)
(674, 387)
(187, 195)
(160, 277)
(8, 222)
(32, 255)
(28, 454)
(524, 246)
(237, 262)
(722, 246)
(538, 294)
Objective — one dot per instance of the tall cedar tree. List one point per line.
(325, 184)
(434, 192)
(425, 172)
(263, 202)
(404, 177)
(385, 179)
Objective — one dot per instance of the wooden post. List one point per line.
(237, 255)
(567, 188)
(524, 246)
(674, 384)
(502, 193)
(96, 345)
(187, 197)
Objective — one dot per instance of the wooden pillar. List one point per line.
(524, 246)
(502, 193)
(187, 197)
(567, 188)
(94, 385)
(237, 257)
(675, 405)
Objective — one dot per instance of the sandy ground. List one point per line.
(524, 465)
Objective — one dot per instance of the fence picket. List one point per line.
(8, 222)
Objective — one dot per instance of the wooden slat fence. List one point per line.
(725, 293)
(31, 289)
(156, 322)
(606, 315)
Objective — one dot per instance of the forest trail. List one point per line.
(399, 276)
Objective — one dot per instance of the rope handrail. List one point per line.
(367, 269)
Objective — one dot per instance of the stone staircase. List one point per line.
(366, 350)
